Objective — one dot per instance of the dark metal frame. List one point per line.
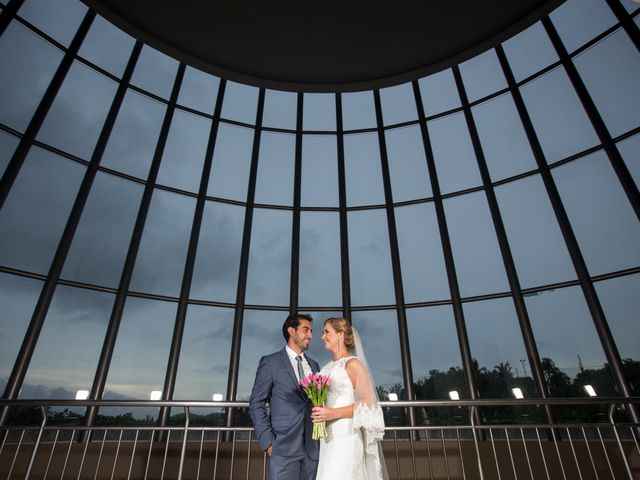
(52, 279)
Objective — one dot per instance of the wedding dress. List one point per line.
(351, 450)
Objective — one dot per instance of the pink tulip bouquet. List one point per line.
(316, 387)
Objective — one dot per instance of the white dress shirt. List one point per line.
(306, 368)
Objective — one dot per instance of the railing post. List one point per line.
(184, 441)
(43, 410)
(627, 467)
(472, 417)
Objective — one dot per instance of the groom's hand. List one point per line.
(269, 450)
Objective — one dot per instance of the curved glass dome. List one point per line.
(479, 226)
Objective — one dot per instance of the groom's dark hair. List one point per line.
(293, 320)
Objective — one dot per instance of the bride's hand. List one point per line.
(319, 414)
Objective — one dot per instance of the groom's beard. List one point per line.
(304, 345)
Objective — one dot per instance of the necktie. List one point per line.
(300, 370)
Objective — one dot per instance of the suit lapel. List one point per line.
(286, 364)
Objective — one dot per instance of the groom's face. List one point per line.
(301, 336)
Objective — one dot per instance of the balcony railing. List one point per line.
(607, 448)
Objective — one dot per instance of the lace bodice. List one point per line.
(341, 392)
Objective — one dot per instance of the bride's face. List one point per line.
(330, 337)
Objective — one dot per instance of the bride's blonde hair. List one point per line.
(341, 325)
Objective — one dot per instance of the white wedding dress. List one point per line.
(343, 454)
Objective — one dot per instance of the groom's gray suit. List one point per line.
(287, 426)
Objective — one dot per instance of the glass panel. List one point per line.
(435, 354)
(482, 75)
(362, 169)
(529, 51)
(240, 103)
(610, 70)
(163, 248)
(439, 93)
(398, 104)
(139, 361)
(184, 152)
(319, 112)
(319, 171)
(476, 253)
(320, 273)
(68, 348)
(215, 275)
(276, 166)
(133, 139)
(621, 304)
(630, 151)
(569, 348)
(606, 227)
(155, 72)
(370, 258)
(631, 6)
(269, 272)
(203, 368)
(504, 142)
(18, 296)
(231, 162)
(378, 331)
(58, 19)
(102, 238)
(536, 243)
(107, 46)
(280, 109)
(498, 351)
(8, 144)
(78, 112)
(453, 153)
(198, 90)
(557, 115)
(407, 164)
(261, 335)
(424, 273)
(36, 210)
(28, 66)
(358, 110)
(578, 21)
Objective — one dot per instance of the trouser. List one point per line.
(296, 467)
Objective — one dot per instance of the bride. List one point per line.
(355, 425)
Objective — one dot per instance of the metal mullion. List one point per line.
(8, 13)
(20, 154)
(295, 225)
(626, 21)
(505, 249)
(593, 303)
(181, 313)
(454, 289)
(344, 223)
(622, 172)
(234, 355)
(136, 237)
(405, 351)
(46, 294)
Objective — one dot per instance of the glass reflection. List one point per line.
(320, 272)
(184, 152)
(69, 344)
(28, 66)
(18, 297)
(161, 257)
(133, 140)
(140, 355)
(606, 227)
(34, 214)
(102, 237)
(78, 112)
(215, 274)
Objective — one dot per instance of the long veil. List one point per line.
(367, 415)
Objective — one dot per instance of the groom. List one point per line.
(284, 430)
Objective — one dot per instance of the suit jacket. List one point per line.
(287, 426)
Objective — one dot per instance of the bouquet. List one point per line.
(316, 387)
